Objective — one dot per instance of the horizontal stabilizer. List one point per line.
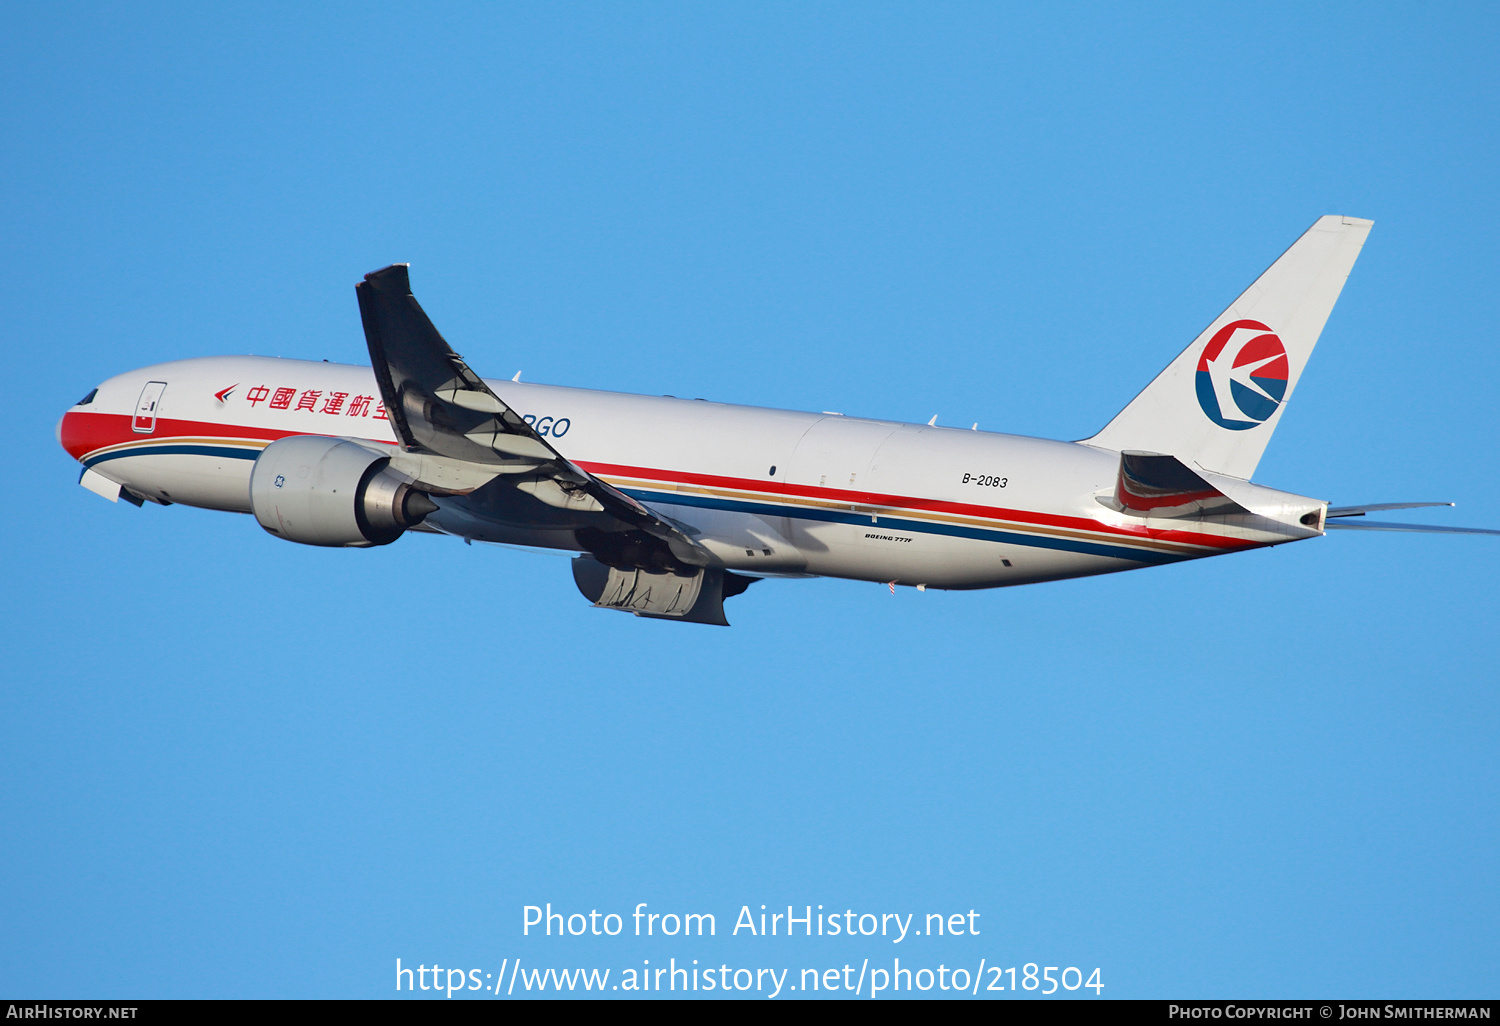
(1359, 511)
(1156, 485)
(1370, 525)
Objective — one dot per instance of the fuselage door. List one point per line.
(835, 453)
(145, 410)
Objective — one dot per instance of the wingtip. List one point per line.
(391, 275)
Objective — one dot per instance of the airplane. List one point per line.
(674, 505)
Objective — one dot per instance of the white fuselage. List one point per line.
(769, 492)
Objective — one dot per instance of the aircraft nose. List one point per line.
(64, 430)
(72, 434)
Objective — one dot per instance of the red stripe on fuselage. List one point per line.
(911, 502)
(83, 432)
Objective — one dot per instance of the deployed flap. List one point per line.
(1218, 402)
(438, 407)
(1156, 485)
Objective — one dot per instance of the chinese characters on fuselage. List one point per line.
(333, 403)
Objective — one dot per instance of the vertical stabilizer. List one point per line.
(1217, 403)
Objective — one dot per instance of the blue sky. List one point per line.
(238, 767)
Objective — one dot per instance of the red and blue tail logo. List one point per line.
(1242, 375)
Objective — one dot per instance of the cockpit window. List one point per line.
(88, 398)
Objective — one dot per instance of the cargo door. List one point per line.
(833, 511)
(835, 454)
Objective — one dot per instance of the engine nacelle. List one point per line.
(323, 491)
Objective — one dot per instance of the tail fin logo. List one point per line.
(1242, 375)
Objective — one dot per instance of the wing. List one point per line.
(438, 407)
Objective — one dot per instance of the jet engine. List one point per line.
(324, 491)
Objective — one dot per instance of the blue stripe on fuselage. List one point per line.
(762, 508)
(175, 450)
(832, 516)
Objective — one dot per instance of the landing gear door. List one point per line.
(145, 410)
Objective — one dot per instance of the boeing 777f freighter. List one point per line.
(675, 505)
